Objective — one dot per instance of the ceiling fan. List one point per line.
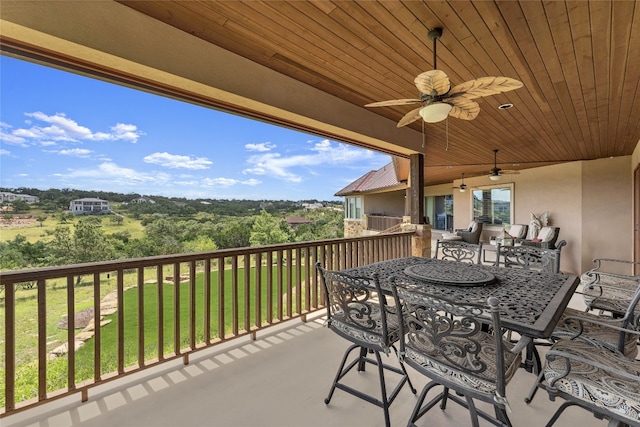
(463, 186)
(496, 172)
(438, 100)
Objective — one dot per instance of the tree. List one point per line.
(200, 244)
(269, 230)
(20, 206)
(64, 217)
(234, 234)
(163, 236)
(19, 253)
(87, 244)
(41, 219)
(117, 219)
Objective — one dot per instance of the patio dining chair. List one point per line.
(595, 378)
(609, 333)
(455, 250)
(450, 343)
(609, 290)
(530, 257)
(357, 310)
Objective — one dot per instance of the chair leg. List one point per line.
(559, 412)
(445, 395)
(534, 389)
(383, 389)
(341, 371)
(361, 361)
(404, 371)
(501, 415)
(473, 411)
(419, 410)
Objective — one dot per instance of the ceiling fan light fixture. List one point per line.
(436, 112)
(463, 189)
(494, 177)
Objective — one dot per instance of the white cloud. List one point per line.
(219, 182)
(252, 182)
(62, 128)
(4, 152)
(13, 139)
(228, 182)
(126, 132)
(76, 152)
(263, 146)
(176, 161)
(324, 153)
(112, 173)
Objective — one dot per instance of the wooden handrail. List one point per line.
(240, 291)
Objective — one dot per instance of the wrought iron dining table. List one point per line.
(531, 302)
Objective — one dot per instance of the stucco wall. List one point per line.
(607, 210)
(387, 204)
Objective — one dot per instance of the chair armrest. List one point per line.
(599, 261)
(610, 323)
(624, 367)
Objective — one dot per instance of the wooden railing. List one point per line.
(380, 223)
(163, 308)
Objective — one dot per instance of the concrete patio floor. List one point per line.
(281, 379)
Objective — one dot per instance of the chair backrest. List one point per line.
(450, 333)
(356, 308)
(473, 235)
(529, 258)
(455, 250)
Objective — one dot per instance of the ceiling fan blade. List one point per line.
(434, 80)
(463, 108)
(509, 172)
(394, 102)
(410, 117)
(485, 86)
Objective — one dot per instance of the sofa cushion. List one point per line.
(516, 230)
(545, 234)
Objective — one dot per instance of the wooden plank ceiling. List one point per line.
(579, 62)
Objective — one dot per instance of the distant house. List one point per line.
(375, 201)
(312, 206)
(143, 200)
(89, 206)
(295, 221)
(6, 197)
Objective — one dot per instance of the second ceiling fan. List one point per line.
(496, 172)
(438, 100)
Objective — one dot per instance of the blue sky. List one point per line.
(62, 130)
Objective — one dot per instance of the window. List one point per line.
(353, 208)
(494, 205)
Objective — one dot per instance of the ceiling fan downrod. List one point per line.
(434, 35)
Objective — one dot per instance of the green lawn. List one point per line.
(26, 327)
(35, 232)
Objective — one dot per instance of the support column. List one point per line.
(416, 184)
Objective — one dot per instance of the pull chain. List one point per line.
(447, 134)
